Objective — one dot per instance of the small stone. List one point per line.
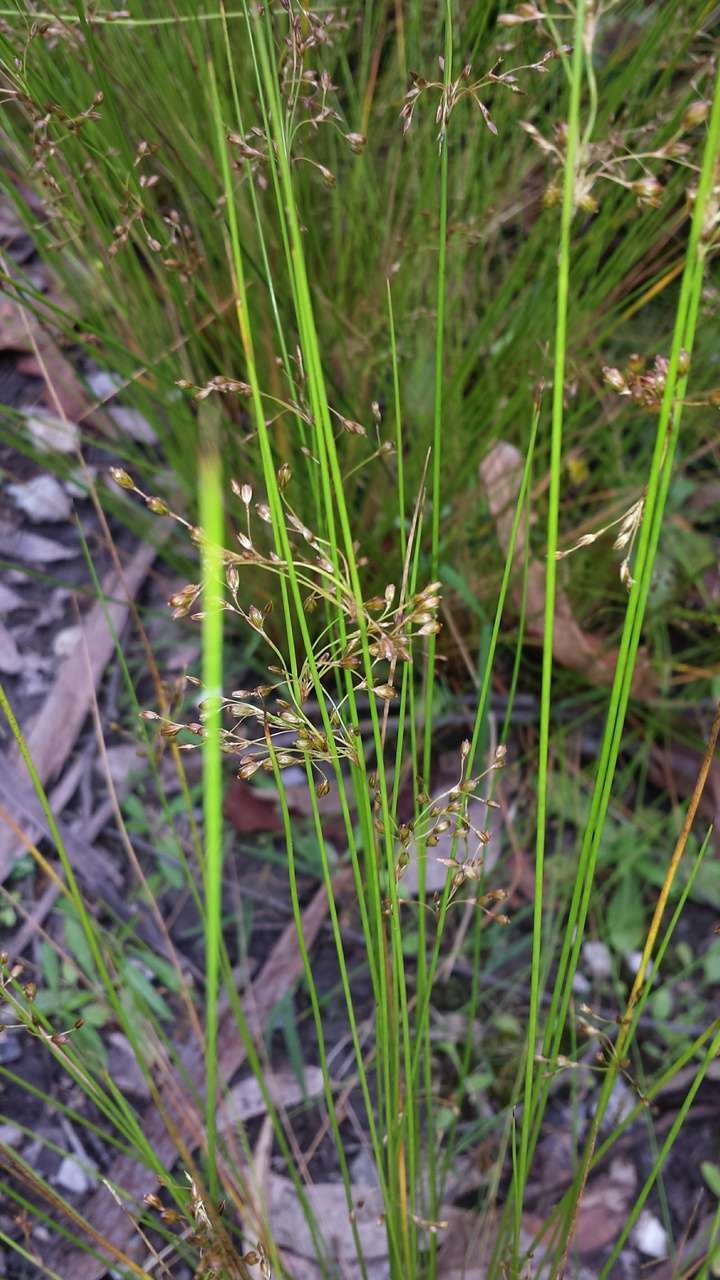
(53, 434)
(650, 1236)
(72, 1176)
(633, 960)
(9, 600)
(622, 1100)
(123, 1066)
(132, 423)
(362, 1169)
(66, 641)
(581, 985)
(102, 384)
(76, 483)
(597, 959)
(10, 1049)
(41, 499)
(10, 1136)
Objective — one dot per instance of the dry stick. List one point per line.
(625, 1032)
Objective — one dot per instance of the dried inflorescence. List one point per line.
(30, 1019)
(616, 161)
(446, 815)
(267, 730)
(644, 382)
(217, 1256)
(464, 86)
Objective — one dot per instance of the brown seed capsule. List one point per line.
(385, 692)
(648, 191)
(157, 506)
(284, 475)
(696, 114)
(552, 196)
(614, 379)
(356, 141)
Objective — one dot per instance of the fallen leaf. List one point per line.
(105, 386)
(21, 330)
(251, 810)
(573, 648)
(33, 548)
(277, 976)
(245, 1100)
(9, 600)
(19, 801)
(41, 499)
(293, 1237)
(133, 423)
(10, 660)
(51, 433)
(55, 728)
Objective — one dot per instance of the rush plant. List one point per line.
(329, 540)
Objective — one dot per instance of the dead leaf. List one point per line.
(9, 600)
(55, 729)
(32, 548)
(279, 973)
(573, 648)
(294, 1239)
(604, 1207)
(10, 660)
(52, 434)
(249, 809)
(19, 802)
(21, 330)
(41, 499)
(245, 1100)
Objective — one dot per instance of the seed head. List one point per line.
(696, 114)
(648, 191)
(284, 475)
(122, 477)
(356, 142)
(157, 506)
(385, 692)
(614, 379)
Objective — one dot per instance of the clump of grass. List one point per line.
(230, 238)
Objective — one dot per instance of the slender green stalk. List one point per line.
(561, 316)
